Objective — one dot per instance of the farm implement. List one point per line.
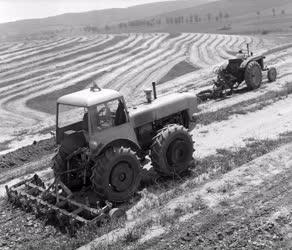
(246, 67)
(101, 145)
(57, 204)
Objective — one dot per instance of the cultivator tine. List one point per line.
(55, 204)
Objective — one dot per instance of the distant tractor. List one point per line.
(102, 142)
(245, 67)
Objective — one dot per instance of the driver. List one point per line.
(104, 115)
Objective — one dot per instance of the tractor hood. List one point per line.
(162, 107)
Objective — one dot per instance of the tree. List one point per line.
(191, 19)
(209, 16)
(220, 15)
(197, 19)
(258, 13)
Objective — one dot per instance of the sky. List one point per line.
(12, 10)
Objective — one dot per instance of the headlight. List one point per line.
(93, 145)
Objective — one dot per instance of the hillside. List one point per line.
(225, 16)
(97, 18)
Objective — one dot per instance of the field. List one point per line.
(242, 164)
(34, 74)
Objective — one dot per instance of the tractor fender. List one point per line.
(259, 59)
(118, 143)
(244, 64)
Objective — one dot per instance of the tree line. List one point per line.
(176, 20)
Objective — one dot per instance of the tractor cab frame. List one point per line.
(103, 118)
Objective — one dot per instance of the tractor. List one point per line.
(245, 67)
(101, 144)
(100, 134)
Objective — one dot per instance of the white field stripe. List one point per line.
(120, 76)
(59, 85)
(211, 56)
(195, 56)
(155, 67)
(138, 67)
(39, 80)
(38, 48)
(27, 112)
(47, 58)
(35, 62)
(12, 46)
(235, 46)
(222, 46)
(14, 62)
(213, 50)
(92, 63)
(47, 84)
(31, 51)
(23, 47)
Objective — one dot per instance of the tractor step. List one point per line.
(55, 202)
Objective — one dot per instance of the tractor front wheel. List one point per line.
(172, 150)
(272, 74)
(116, 174)
(253, 75)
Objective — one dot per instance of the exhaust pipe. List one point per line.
(154, 90)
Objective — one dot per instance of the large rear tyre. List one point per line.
(69, 145)
(71, 180)
(272, 74)
(253, 75)
(172, 150)
(116, 175)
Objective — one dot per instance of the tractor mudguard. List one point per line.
(118, 143)
(253, 58)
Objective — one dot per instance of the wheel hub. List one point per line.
(121, 177)
(178, 152)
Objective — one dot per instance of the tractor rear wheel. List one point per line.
(172, 150)
(253, 75)
(116, 175)
(71, 180)
(272, 74)
(68, 146)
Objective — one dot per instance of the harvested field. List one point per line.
(239, 185)
(35, 74)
